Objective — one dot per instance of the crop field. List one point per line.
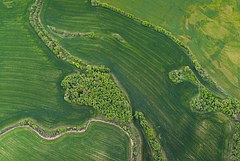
(141, 59)
(209, 28)
(30, 75)
(108, 144)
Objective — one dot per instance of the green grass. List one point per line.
(141, 64)
(110, 144)
(30, 75)
(210, 28)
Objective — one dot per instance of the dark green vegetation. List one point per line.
(235, 153)
(96, 88)
(73, 34)
(178, 76)
(142, 65)
(151, 137)
(209, 28)
(207, 101)
(30, 75)
(108, 145)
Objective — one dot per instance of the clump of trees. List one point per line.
(207, 101)
(118, 37)
(185, 73)
(152, 140)
(64, 33)
(97, 88)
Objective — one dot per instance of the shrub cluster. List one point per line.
(207, 101)
(185, 73)
(118, 37)
(154, 144)
(64, 33)
(97, 88)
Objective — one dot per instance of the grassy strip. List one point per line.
(152, 140)
(159, 29)
(64, 33)
(185, 73)
(94, 79)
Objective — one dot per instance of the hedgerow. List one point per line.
(151, 138)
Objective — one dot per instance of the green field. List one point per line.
(141, 63)
(209, 28)
(110, 144)
(30, 75)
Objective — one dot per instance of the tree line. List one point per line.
(51, 43)
(151, 138)
(64, 33)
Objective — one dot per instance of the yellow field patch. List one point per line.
(228, 71)
(215, 30)
(196, 16)
(233, 54)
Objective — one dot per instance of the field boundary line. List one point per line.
(58, 135)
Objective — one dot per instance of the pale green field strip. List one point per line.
(93, 144)
(142, 65)
(30, 75)
(210, 29)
